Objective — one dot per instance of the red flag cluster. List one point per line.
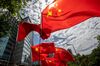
(50, 55)
(61, 14)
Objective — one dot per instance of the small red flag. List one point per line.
(45, 48)
(63, 55)
(25, 28)
(41, 51)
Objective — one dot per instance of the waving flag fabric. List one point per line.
(25, 28)
(52, 62)
(48, 62)
(41, 51)
(63, 55)
(66, 13)
(60, 56)
(44, 48)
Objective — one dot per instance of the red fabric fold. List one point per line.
(52, 62)
(63, 55)
(41, 51)
(24, 29)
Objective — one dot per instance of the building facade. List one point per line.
(22, 54)
(8, 42)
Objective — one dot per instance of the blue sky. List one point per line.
(36, 38)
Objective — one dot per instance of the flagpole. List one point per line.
(33, 34)
(32, 41)
(40, 31)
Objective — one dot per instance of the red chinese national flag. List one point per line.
(66, 13)
(41, 51)
(44, 48)
(25, 28)
(63, 55)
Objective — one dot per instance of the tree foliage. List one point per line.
(13, 6)
(8, 10)
(88, 60)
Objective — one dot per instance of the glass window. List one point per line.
(3, 44)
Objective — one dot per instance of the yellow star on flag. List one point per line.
(49, 13)
(36, 49)
(59, 10)
(50, 61)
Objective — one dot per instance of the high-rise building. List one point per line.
(8, 43)
(3, 44)
(12, 51)
(33, 11)
(22, 54)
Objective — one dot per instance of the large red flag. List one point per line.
(66, 13)
(41, 51)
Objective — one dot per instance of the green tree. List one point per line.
(4, 28)
(8, 10)
(13, 6)
(92, 59)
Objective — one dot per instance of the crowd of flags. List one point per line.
(61, 14)
(49, 55)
